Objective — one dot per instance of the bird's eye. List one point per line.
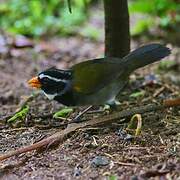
(45, 80)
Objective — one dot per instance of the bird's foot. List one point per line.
(111, 106)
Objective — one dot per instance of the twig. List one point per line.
(153, 173)
(95, 111)
(76, 119)
(60, 136)
(159, 91)
(15, 129)
(125, 164)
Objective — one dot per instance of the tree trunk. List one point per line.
(117, 36)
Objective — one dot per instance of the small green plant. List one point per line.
(165, 65)
(39, 17)
(63, 113)
(137, 94)
(19, 115)
(112, 177)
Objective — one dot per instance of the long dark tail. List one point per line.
(145, 55)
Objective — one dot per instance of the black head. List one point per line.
(54, 81)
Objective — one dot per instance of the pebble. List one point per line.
(124, 136)
(99, 161)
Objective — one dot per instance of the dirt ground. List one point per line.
(109, 152)
(106, 152)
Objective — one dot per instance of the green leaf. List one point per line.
(19, 115)
(165, 21)
(141, 6)
(4, 9)
(63, 112)
(166, 64)
(142, 26)
(112, 177)
(137, 94)
(90, 32)
(34, 18)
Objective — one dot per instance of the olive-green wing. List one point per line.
(92, 75)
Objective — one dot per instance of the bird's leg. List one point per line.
(80, 114)
(110, 106)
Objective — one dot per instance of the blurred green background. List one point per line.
(36, 18)
(40, 17)
(163, 14)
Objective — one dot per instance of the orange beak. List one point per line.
(34, 82)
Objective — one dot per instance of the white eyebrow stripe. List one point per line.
(52, 78)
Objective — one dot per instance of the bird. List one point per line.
(96, 81)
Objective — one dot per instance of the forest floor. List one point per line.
(108, 151)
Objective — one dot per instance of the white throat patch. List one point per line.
(50, 96)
